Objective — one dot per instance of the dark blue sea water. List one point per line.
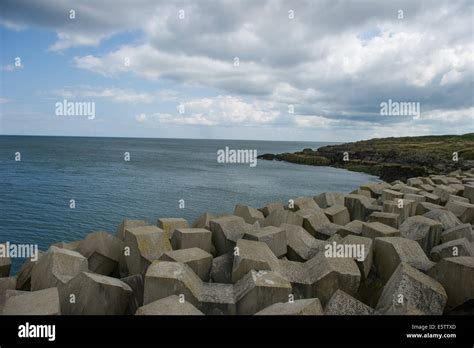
(35, 192)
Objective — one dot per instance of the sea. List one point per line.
(56, 189)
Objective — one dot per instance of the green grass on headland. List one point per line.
(392, 158)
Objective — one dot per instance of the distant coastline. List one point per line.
(391, 158)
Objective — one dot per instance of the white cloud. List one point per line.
(141, 117)
(220, 110)
(111, 93)
(11, 67)
(336, 60)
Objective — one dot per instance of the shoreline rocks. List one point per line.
(398, 248)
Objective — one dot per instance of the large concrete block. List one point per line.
(127, 223)
(446, 218)
(389, 219)
(463, 211)
(164, 278)
(408, 286)
(377, 229)
(136, 283)
(328, 199)
(430, 197)
(217, 299)
(359, 206)
(185, 238)
(310, 306)
(469, 192)
(375, 188)
(171, 305)
(226, 230)
(409, 190)
(24, 274)
(197, 259)
(285, 216)
(417, 198)
(389, 195)
(342, 303)
(315, 222)
(301, 203)
(403, 207)
(301, 245)
(439, 179)
(457, 232)
(258, 290)
(41, 302)
(391, 251)
(364, 260)
(143, 245)
(274, 237)
(328, 274)
(338, 214)
(5, 263)
(203, 221)
(456, 274)
(424, 207)
(352, 228)
(57, 267)
(453, 198)
(252, 255)
(170, 224)
(6, 283)
(102, 251)
(426, 231)
(266, 210)
(95, 294)
(453, 248)
(443, 192)
(221, 269)
(249, 214)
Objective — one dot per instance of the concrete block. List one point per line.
(456, 275)
(338, 214)
(41, 302)
(102, 251)
(377, 229)
(95, 294)
(342, 303)
(170, 305)
(249, 214)
(197, 259)
(144, 245)
(408, 286)
(426, 231)
(57, 267)
(185, 238)
(274, 237)
(310, 306)
(390, 252)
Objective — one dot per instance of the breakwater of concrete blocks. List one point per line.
(385, 248)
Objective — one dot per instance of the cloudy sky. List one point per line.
(236, 69)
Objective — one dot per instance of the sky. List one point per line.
(263, 70)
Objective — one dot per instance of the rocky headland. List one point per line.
(403, 248)
(391, 158)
